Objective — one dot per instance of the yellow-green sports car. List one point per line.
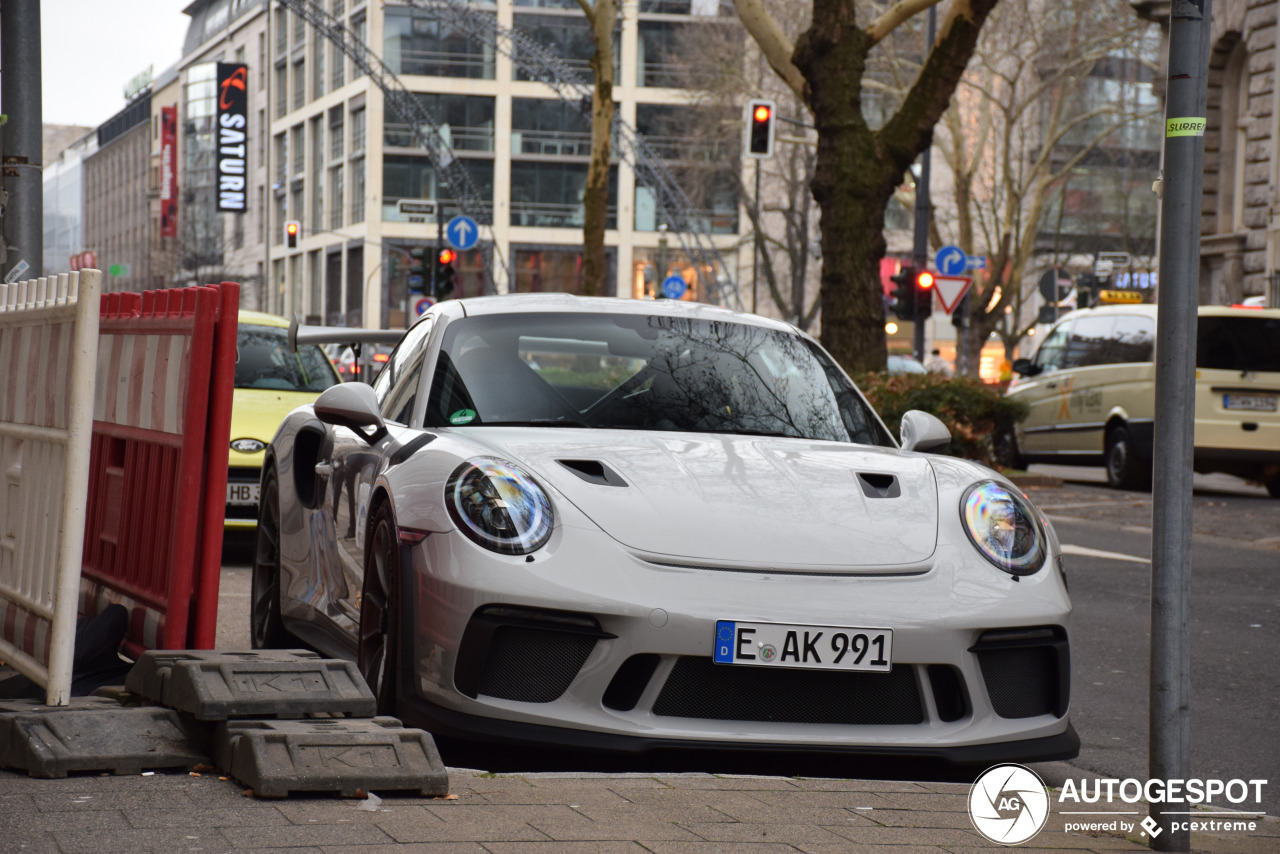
(271, 381)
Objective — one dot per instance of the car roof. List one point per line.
(522, 303)
(1150, 310)
(261, 318)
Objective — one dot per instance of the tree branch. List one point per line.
(893, 17)
(773, 43)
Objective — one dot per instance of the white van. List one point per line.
(1091, 391)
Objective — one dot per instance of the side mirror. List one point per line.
(1026, 367)
(923, 432)
(354, 406)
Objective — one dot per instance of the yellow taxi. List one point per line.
(271, 381)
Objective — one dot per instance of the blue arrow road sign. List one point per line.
(950, 261)
(462, 232)
(975, 262)
(673, 287)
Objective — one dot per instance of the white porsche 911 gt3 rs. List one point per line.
(634, 525)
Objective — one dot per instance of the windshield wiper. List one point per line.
(535, 422)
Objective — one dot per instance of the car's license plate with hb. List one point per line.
(813, 647)
(1250, 402)
(241, 494)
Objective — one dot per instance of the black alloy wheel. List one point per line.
(1125, 469)
(266, 627)
(378, 652)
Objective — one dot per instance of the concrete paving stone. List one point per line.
(920, 818)
(931, 802)
(822, 800)
(21, 784)
(1086, 841)
(790, 812)
(107, 820)
(327, 810)
(15, 803)
(304, 850)
(729, 782)
(673, 812)
(411, 848)
(141, 796)
(942, 836)
(1234, 844)
(722, 848)
(943, 788)
(614, 781)
(827, 784)
(315, 835)
(476, 823)
(205, 818)
(654, 829)
(531, 796)
(138, 841)
(790, 834)
(27, 842)
(562, 847)
(844, 848)
(990, 848)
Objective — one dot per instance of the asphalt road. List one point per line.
(1235, 628)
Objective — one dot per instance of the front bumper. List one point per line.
(944, 698)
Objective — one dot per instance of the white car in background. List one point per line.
(628, 525)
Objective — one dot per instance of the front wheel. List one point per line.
(1125, 468)
(378, 652)
(266, 627)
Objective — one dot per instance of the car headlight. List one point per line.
(498, 505)
(1002, 525)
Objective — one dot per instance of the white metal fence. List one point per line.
(48, 352)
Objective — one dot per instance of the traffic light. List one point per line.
(923, 294)
(291, 233)
(903, 293)
(445, 272)
(760, 116)
(418, 269)
(960, 314)
(1086, 289)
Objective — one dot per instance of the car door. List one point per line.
(1080, 419)
(356, 463)
(1040, 392)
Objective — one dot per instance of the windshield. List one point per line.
(636, 372)
(263, 361)
(1245, 344)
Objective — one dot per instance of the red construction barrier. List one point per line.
(158, 462)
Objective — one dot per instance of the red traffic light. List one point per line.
(924, 279)
(291, 229)
(762, 113)
(448, 256)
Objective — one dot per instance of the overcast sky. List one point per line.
(89, 50)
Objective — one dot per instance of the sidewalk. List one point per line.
(572, 813)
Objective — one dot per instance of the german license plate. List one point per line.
(811, 647)
(242, 494)
(1251, 402)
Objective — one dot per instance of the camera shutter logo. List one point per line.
(1008, 804)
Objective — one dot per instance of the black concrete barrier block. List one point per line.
(276, 757)
(94, 734)
(218, 685)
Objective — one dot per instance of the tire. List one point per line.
(266, 626)
(1125, 469)
(378, 651)
(1273, 488)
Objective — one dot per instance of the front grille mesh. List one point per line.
(700, 688)
(533, 665)
(1022, 682)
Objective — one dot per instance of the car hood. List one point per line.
(257, 413)
(753, 501)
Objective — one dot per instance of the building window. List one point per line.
(339, 66)
(466, 122)
(359, 29)
(299, 30)
(549, 127)
(237, 231)
(414, 43)
(357, 130)
(282, 31)
(317, 67)
(262, 61)
(548, 271)
(282, 90)
(282, 215)
(299, 154)
(1232, 142)
(339, 6)
(296, 208)
(336, 136)
(317, 172)
(357, 189)
(299, 83)
(549, 194)
(568, 36)
(410, 177)
(335, 197)
(663, 46)
(281, 159)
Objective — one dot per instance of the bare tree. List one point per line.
(1049, 93)
(859, 167)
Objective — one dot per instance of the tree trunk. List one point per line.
(595, 197)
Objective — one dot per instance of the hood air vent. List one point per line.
(594, 471)
(879, 485)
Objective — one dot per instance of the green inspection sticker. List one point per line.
(1184, 127)
(463, 416)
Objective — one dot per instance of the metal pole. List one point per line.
(1170, 712)
(920, 248)
(23, 140)
(755, 244)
